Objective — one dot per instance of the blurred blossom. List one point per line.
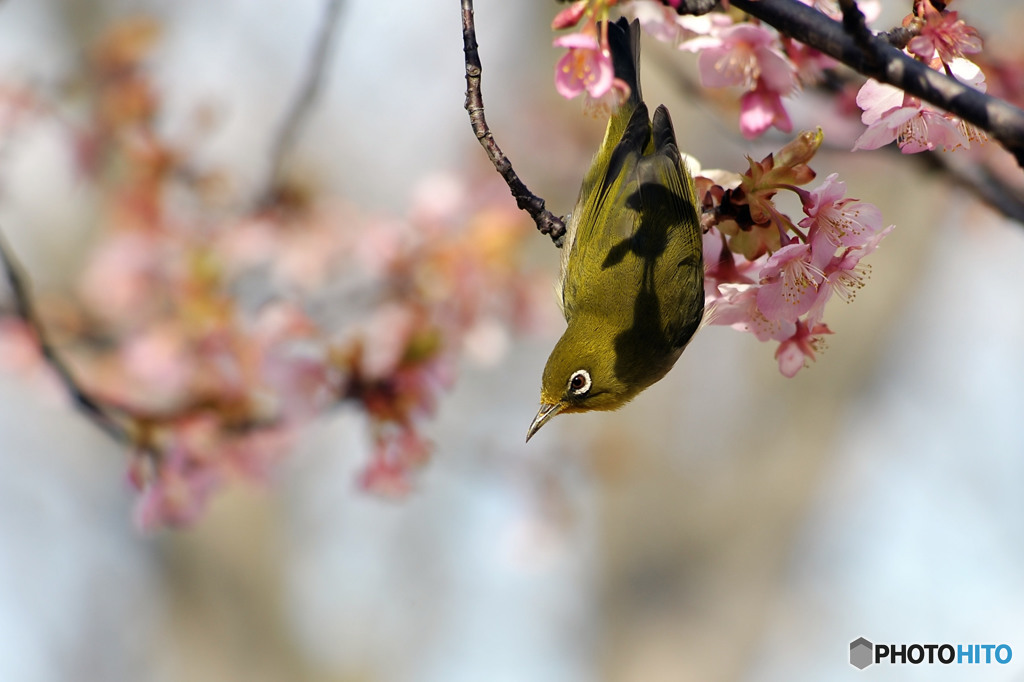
(197, 324)
(158, 357)
(487, 342)
(119, 273)
(438, 199)
(388, 331)
(19, 350)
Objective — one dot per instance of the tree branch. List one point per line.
(547, 222)
(300, 107)
(875, 57)
(696, 7)
(25, 308)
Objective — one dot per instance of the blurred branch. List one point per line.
(547, 222)
(981, 181)
(853, 44)
(300, 107)
(25, 308)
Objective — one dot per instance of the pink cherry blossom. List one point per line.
(891, 115)
(915, 127)
(835, 220)
(691, 33)
(723, 266)
(570, 16)
(760, 109)
(744, 55)
(809, 63)
(586, 67)
(789, 283)
(747, 55)
(801, 348)
(844, 275)
(944, 34)
(737, 307)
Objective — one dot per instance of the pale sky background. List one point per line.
(729, 525)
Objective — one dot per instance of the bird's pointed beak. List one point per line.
(544, 415)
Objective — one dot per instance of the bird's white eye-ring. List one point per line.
(579, 382)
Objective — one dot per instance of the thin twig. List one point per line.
(88, 405)
(546, 221)
(302, 104)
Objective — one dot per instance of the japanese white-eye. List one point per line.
(632, 281)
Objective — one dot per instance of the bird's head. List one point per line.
(580, 376)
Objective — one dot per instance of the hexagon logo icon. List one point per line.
(861, 651)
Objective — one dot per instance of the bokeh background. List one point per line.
(730, 524)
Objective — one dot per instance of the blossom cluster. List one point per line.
(942, 41)
(211, 334)
(735, 50)
(770, 277)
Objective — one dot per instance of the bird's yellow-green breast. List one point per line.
(632, 284)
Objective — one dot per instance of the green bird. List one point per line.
(632, 281)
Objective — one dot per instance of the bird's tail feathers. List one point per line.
(624, 43)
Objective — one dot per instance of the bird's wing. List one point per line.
(670, 240)
(604, 216)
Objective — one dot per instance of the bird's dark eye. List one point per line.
(579, 382)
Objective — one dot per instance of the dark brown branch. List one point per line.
(25, 309)
(546, 221)
(874, 57)
(900, 36)
(696, 7)
(300, 107)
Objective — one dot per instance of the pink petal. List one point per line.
(566, 83)
(761, 109)
(876, 99)
(713, 74)
(777, 71)
(582, 41)
(922, 46)
(570, 16)
(791, 358)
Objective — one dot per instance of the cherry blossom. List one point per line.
(795, 352)
(586, 67)
(789, 283)
(835, 220)
(914, 125)
(746, 55)
(943, 34)
(844, 275)
(761, 109)
(737, 307)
